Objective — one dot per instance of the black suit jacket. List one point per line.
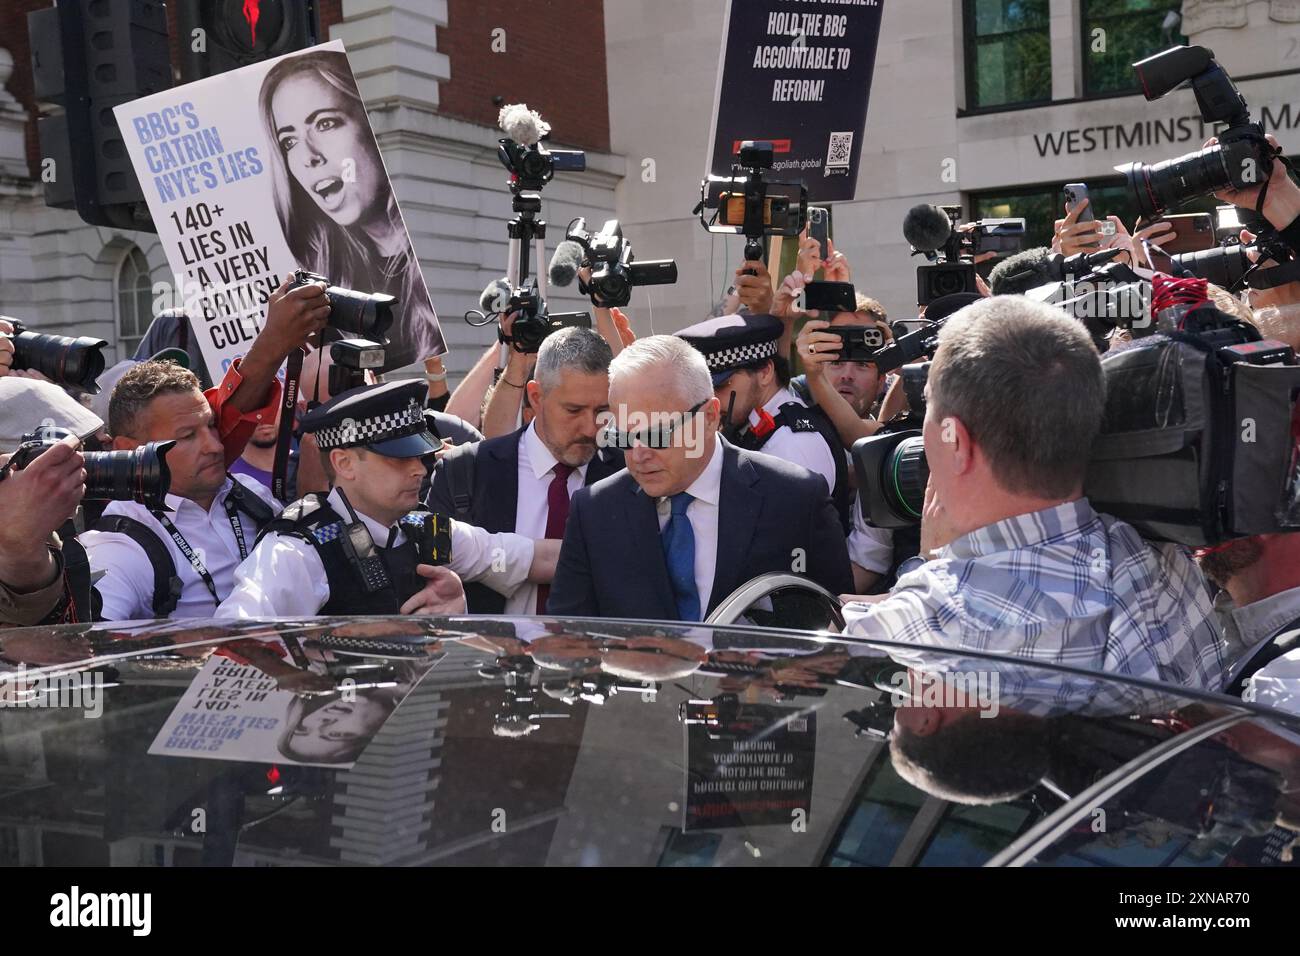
(612, 562)
(496, 495)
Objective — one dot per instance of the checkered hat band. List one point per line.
(366, 431)
(740, 355)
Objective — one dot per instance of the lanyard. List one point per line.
(193, 557)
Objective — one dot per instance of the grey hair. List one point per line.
(1027, 383)
(690, 372)
(570, 350)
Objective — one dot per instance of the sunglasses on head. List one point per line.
(658, 436)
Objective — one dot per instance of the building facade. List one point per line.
(994, 104)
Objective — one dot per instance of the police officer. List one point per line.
(364, 548)
(760, 412)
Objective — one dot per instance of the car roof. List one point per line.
(547, 741)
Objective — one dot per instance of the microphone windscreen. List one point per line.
(926, 227)
(1021, 272)
(521, 124)
(495, 296)
(565, 262)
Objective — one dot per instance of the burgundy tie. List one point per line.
(557, 513)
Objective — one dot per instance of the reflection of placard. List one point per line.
(754, 768)
(799, 76)
(256, 172)
(234, 710)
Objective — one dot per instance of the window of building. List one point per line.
(1118, 33)
(1008, 53)
(134, 301)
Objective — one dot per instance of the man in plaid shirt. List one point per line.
(1019, 563)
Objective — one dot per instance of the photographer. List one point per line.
(180, 562)
(1013, 557)
(34, 504)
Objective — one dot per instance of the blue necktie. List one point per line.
(679, 550)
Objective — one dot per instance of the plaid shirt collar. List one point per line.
(1050, 525)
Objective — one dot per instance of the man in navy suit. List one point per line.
(521, 483)
(693, 517)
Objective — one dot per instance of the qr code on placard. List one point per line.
(840, 149)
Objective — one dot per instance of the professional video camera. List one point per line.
(368, 315)
(938, 233)
(1198, 442)
(614, 269)
(533, 322)
(61, 359)
(140, 474)
(1242, 158)
(531, 164)
(748, 203)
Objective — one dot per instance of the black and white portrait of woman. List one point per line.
(333, 197)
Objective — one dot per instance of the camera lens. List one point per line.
(892, 474)
(63, 360)
(1221, 266)
(1174, 181)
(140, 474)
(905, 476)
(364, 315)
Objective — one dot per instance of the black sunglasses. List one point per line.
(658, 436)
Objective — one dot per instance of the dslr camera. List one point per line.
(1242, 157)
(748, 203)
(140, 474)
(614, 269)
(367, 315)
(77, 362)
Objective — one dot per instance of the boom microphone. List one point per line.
(565, 262)
(926, 227)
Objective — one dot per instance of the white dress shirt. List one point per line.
(870, 547)
(703, 516)
(127, 582)
(535, 477)
(808, 449)
(284, 576)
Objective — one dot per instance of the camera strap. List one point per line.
(288, 406)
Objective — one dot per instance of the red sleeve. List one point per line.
(236, 428)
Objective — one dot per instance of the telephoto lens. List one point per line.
(1224, 265)
(140, 474)
(1168, 184)
(365, 315)
(892, 475)
(64, 361)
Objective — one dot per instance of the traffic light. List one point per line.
(89, 56)
(221, 35)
